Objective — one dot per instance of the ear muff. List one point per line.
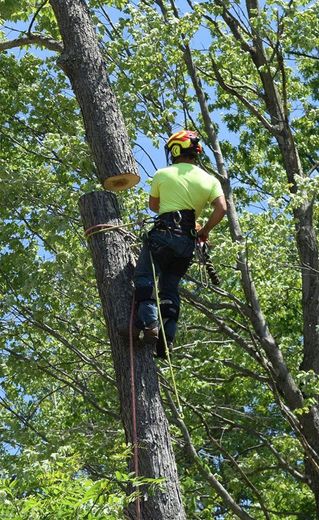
(175, 150)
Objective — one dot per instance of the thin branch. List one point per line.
(30, 150)
(42, 41)
(60, 375)
(28, 315)
(233, 461)
(313, 168)
(146, 153)
(37, 405)
(221, 292)
(232, 90)
(242, 371)
(235, 28)
(282, 462)
(35, 233)
(223, 327)
(23, 420)
(34, 17)
(303, 54)
(202, 467)
(296, 424)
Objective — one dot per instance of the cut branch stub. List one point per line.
(122, 181)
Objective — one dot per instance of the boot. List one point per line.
(150, 334)
(160, 347)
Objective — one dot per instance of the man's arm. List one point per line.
(220, 208)
(154, 203)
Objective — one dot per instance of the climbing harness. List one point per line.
(207, 267)
(160, 224)
(181, 222)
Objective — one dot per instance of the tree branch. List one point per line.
(60, 375)
(201, 466)
(28, 315)
(303, 54)
(233, 462)
(35, 15)
(282, 462)
(232, 90)
(23, 420)
(32, 39)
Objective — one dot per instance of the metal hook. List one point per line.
(177, 218)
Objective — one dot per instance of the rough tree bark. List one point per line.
(114, 268)
(83, 63)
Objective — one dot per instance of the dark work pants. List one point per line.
(172, 254)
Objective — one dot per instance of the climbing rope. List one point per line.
(133, 406)
(158, 302)
(104, 228)
(206, 267)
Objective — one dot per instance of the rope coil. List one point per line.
(104, 228)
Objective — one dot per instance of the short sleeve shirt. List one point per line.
(184, 186)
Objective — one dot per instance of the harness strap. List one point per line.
(181, 222)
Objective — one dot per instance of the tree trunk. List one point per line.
(114, 268)
(83, 63)
(308, 255)
(311, 469)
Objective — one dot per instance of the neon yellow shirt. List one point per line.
(184, 186)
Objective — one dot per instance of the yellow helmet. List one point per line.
(183, 141)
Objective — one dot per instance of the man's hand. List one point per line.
(203, 234)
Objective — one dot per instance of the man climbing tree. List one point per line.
(178, 193)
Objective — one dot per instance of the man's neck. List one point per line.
(187, 160)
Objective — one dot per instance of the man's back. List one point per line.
(184, 186)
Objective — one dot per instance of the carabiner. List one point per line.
(177, 218)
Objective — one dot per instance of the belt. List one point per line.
(181, 222)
